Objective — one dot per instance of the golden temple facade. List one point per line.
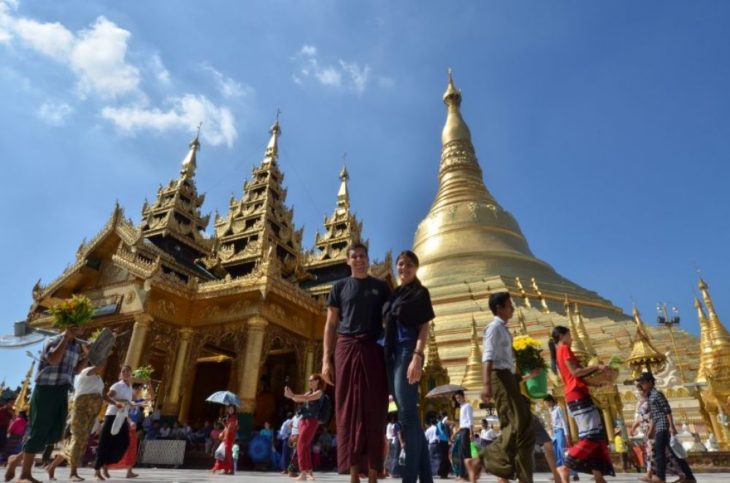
(241, 310)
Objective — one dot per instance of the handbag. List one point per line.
(676, 446)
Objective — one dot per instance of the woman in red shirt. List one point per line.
(229, 436)
(590, 454)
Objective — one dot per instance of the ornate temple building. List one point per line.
(243, 308)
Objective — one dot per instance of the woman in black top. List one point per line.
(407, 315)
(310, 409)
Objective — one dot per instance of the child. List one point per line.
(235, 451)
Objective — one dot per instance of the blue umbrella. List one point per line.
(224, 397)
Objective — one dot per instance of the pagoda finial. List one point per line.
(343, 195)
(717, 331)
(579, 349)
(523, 294)
(705, 343)
(540, 296)
(644, 356)
(473, 374)
(583, 332)
(21, 400)
(433, 350)
(455, 128)
(523, 324)
(189, 163)
(272, 149)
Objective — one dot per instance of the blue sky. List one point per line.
(602, 126)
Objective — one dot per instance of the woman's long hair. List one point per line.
(558, 331)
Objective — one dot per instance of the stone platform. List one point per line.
(156, 475)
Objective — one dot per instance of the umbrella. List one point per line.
(224, 397)
(444, 390)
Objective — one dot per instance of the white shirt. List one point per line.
(497, 345)
(431, 435)
(295, 425)
(557, 418)
(122, 392)
(466, 416)
(390, 432)
(285, 430)
(86, 384)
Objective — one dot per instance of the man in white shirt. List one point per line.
(466, 421)
(487, 434)
(510, 456)
(432, 438)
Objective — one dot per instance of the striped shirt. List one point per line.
(62, 373)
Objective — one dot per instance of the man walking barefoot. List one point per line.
(354, 363)
(510, 455)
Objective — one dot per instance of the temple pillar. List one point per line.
(248, 371)
(142, 323)
(308, 364)
(172, 401)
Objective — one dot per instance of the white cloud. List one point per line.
(329, 76)
(185, 113)
(54, 113)
(344, 74)
(358, 75)
(98, 58)
(51, 39)
(228, 87)
(159, 70)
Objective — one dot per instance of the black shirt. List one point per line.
(360, 301)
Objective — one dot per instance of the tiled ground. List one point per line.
(189, 476)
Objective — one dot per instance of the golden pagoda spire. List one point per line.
(433, 360)
(22, 399)
(523, 294)
(341, 229)
(272, 149)
(644, 356)
(521, 320)
(455, 128)
(718, 333)
(705, 343)
(189, 163)
(540, 296)
(472, 379)
(579, 349)
(580, 325)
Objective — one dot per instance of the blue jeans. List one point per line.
(417, 465)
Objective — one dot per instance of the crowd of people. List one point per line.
(373, 347)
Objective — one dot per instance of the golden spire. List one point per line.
(272, 149)
(433, 351)
(455, 128)
(523, 294)
(22, 402)
(580, 325)
(343, 195)
(705, 343)
(189, 163)
(579, 349)
(472, 379)
(644, 356)
(521, 320)
(540, 296)
(718, 333)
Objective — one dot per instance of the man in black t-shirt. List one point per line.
(354, 362)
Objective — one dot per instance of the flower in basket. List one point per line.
(143, 372)
(615, 362)
(72, 312)
(95, 335)
(528, 353)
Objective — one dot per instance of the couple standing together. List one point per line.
(366, 360)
